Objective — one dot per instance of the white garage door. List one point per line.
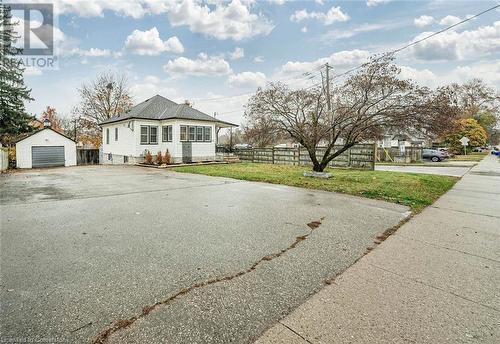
(47, 156)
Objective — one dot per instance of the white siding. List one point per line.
(46, 137)
(129, 141)
(125, 143)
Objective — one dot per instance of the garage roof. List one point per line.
(159, 108)
(39, 130)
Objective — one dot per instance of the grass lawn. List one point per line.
(469, 157)
(414, 190)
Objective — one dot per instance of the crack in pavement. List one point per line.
(121, 324)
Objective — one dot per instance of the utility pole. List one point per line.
(328, 98)
(217, 128)
(328, 104)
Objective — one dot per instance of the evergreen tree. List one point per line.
(13, 92)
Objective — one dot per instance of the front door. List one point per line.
(187, 152)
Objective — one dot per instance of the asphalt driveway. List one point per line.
(127, 254)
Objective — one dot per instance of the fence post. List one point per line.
(273, 155)
(374, 157)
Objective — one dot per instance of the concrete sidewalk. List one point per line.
(437, 280)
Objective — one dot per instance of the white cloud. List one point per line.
(452, 45)
(237, 54)
(219, 19)
(202, 66)
(247, 80)
(373, 3)
(142, 89)
(306, 73)
(92, 52)
(341, 60)
(304, 29)
(258, 59)
(489, 72)
(334, 14)
(422, 77)
(226, 21)
(149, 43)
(449, 20)
(333, 35)
(423, 21)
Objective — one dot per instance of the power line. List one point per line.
(304, 75)
(395, 51)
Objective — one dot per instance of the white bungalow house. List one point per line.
(156, 125)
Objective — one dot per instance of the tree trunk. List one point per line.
(317, 167)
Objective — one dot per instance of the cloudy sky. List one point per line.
(216, 53)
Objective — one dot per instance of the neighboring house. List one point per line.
(156, 125)
(395, 140)
(45, 148)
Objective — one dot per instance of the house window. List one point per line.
(125, 159)
(153, 135)
(107, 136)
(144, 134)
(110, 156)
(199, 133)
(208, 134)
(192, 133)
(183, 133)
(166, 135)
(116, 134)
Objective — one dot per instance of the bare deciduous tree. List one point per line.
(261, 132)
(363, 106)
(103, 98)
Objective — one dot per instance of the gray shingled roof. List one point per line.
(159, 108)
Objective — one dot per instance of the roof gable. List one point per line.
(42, 129)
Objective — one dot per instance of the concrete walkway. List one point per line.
(437, 280)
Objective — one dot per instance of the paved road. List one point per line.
(442, 170)
(184, 258)
(436, 280)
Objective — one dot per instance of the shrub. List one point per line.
(11, 151)
(158, 158)
(167, 159)
(148, 158)
(469, 128)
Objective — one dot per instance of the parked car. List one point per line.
(434, 155)
(242, 146)
(478, 149)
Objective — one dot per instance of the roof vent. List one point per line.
(187, 102)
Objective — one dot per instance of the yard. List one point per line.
(414, 190)
(470, 157)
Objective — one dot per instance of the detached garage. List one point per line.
(45, 148)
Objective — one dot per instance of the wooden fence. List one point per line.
(394, 154)
(87, 156)
(361, 156)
